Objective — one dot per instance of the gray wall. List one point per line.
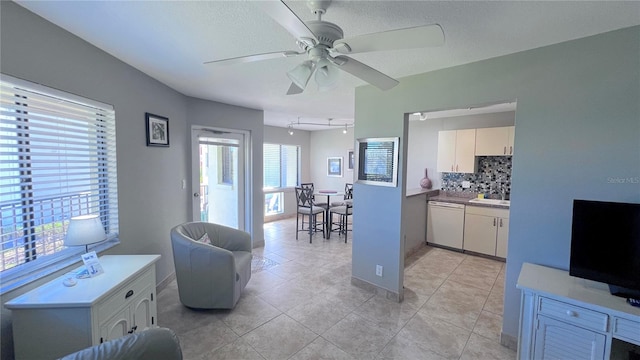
(278, 135)
(578, 124)
(330, 143)
(422, 151)
(150, 197)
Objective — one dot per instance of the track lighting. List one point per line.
(290, 131)
(344, 131)
(328, 124)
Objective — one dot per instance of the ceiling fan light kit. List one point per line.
(321, 39)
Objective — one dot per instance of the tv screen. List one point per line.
(605, 244)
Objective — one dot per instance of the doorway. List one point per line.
(219, 176)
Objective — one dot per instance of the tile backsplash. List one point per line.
(492, 174)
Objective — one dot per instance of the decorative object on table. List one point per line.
(377, 160)
(334, 166)
(425, 183)
(157, 130)
(92, 264)
(352, 160)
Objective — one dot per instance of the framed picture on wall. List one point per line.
(334, 166)
(377, 160)
(352, 160)
(157, 130)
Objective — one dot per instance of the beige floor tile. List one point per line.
(489, 325)
(400, 348)
(457, 304)
(495, 302)
(349, 296)
(237, 350)
(321, 349)
(204, 339)
(358, 336)
(387, 314)
(287, 295)
(479, 347)
(249, 313)
(262, 281)
(279, 338)
(436, 335)
(319, 314)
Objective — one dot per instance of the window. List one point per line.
(281, 166)
(57, 161)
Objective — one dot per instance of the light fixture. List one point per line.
(290, 131)
(343, 124)
(423, 117)
(301, 74)
(345, 129)
(84, 230)
(326, 75)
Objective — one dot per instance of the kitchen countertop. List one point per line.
(421, 191)
(464, 201)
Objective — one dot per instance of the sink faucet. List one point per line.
(503, 193)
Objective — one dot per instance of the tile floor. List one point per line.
(303, 306)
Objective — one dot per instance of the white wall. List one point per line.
(422, 142)
(330, 143)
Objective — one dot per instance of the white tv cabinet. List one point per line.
(565, 317)
(53, 320)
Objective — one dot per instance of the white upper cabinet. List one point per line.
(456, 151)
(494, 141)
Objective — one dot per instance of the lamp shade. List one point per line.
(326, 75)
(301, 74)
(84, 230)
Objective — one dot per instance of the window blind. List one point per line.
(281, 164)
(57, 161)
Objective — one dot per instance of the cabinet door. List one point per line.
(503, 237)
(480, 234)
(446, 151)
(117, 326)
(144, 310)
(559, 340)
(465, 151)
(492, 141)
(511, 131)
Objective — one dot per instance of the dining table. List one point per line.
(328, 194)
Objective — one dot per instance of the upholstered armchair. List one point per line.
(150, 344)
(213, 264)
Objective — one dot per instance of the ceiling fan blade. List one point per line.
(255, 57)
(282, 14)
(365, 72)
(408, 38)
(294, 89)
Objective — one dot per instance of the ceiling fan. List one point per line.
(324, 45)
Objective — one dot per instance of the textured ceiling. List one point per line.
(170, 41)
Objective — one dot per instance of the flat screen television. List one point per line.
(605, 245)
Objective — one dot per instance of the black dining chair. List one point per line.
(306, 207)
(342, 224)
(313, 197)
(348, 196)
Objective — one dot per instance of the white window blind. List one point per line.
(281, 166)
(57, 161)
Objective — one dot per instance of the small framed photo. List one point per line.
(157, 130)
(352, 160)
(334, 166)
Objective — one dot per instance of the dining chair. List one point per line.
(306, 207)
(348, 196)
(313, 197)
(343, 212)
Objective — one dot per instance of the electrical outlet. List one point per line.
(466, 184)
(379, 270)
(184, 184)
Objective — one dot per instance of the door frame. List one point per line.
(246, 212)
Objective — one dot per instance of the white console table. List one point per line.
(53, 320)
(565, 317)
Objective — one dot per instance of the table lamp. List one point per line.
(84, 230)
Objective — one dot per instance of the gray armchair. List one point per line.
(150, 344)
(210, 276)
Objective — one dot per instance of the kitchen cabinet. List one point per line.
(456, 151)
(66, 319)
(486, 230)
(494, 141)
(565, 317)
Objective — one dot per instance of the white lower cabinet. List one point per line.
(564, 317)
(486, 230)
(66, 319)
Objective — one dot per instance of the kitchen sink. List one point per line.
(491, 202)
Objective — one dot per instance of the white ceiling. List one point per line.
(170, 41)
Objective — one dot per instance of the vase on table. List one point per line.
(425, 183)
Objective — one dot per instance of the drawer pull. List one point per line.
(572, 313)
(129, 294)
